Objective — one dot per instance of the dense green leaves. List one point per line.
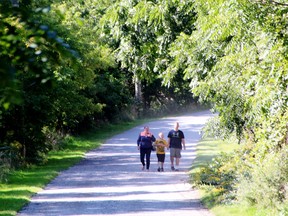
(49, 80)
(66, 65)
(30, 53)
(237, 59)
(141, 33)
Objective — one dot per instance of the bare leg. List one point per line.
(177, 161)
(172, 161)
(177, 164)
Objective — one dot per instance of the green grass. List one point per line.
(207, 149)
(22, 184)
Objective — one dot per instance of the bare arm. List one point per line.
(183, 144)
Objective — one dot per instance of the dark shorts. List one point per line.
(175, 152)
(161, 157)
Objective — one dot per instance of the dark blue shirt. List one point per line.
(145, 140)
(175, 138)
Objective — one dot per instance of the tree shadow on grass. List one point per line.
(34, 178)
(12, 200)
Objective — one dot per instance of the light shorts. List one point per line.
(175, 152)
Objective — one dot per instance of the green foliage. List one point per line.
(119, 98)
(5, 170)
(219, 201)
(220, 173)
(103, 90)
(242, 178)
(31, 53)
(141, 33)
(25, 52)
(265, 182)
(237, 65)
(217, 129)
(48, 86)
(22, 184)
(236, 59)
(230, 54)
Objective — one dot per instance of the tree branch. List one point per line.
(274, 2)
(279, 3)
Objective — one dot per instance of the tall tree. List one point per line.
(30, 52)
(141, 33)
(237, 63)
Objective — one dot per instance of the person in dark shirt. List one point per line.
(176, 141)
(144, 143)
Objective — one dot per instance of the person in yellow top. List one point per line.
(161, 144)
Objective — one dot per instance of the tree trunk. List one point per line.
(138, 88)
(138, 95)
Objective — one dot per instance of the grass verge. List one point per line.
(22, 184)
(207, 149)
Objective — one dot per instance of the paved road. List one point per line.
(109, 181)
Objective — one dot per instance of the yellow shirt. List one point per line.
(159, 148)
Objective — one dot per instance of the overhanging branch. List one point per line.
(274, 3)
(279, 3)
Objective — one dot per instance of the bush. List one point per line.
(220, 173)
(5, 163)
(265, 183)
(4, 171)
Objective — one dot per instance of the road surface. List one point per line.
(109, 181)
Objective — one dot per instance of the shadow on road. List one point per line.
(109, 180)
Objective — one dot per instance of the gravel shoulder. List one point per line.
(109, 180)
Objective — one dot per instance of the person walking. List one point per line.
(176, 141)
(144, 144)
(161, 144)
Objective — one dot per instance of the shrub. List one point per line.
(220, 173)
(5, 163)
(265, 183)
(4, 171)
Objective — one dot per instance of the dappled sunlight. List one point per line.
(122, 144)
(110, 180)
(116, 193)
(107, 154)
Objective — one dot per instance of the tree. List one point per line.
(237, 60)
(30, 53)
(97, 69)
(140, 33)
(232, 63)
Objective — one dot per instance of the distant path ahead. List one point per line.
(109, 181)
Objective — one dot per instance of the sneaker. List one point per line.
(143, 167)
(173, 168)
(176, 170)
(162, 169)
(159, 169)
